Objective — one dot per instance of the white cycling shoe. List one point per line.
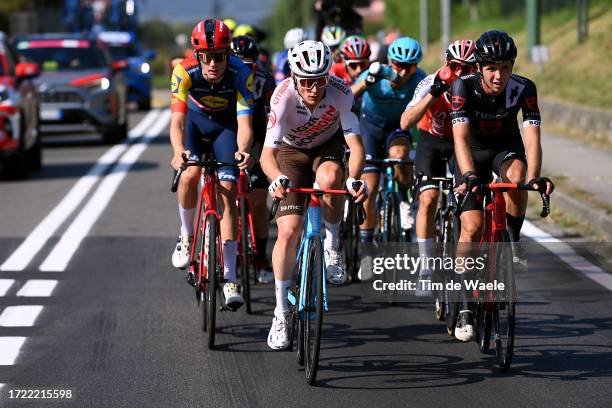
(336, 275)
(233, 298)
(464, 330)
(180, 256)
(278, 338)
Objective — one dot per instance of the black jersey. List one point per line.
(493, 119)
(263, 87)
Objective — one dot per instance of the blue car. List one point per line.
(124, 46)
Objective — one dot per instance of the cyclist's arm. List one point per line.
(275, 131)
(269, 163)
(180, 84)
(461, 127)
(531, 130)
(351, 130)
(420, 103)
(356, 157)
(244, 109)
(359, 86)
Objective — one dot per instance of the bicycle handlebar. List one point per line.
(503, 187)
(199, 163)
(361, 215)
(388, 162)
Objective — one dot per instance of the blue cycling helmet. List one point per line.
(405, 50)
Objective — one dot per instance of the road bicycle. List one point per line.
(247, 246)
(205, 271)
(308, 298)
(495, 309)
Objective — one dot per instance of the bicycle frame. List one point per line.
(243, 192)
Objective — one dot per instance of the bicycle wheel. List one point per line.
(209, 310)
(440, 305)
(313, 310)
(391, 228)
(451, 233)
(245, 253)
(482, 320)
(504, 310)
(351, 240)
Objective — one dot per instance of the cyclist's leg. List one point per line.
(398, 144)
(296, 165)
(187, 193)
(511, 165)
(329, 174)
(373, 144)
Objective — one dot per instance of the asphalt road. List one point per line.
(98, 309)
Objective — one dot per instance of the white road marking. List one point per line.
(567, 254)
(10, 347)
(34, 242)
(5, 285)
(64, 250)
(37, 288)
(20, 316)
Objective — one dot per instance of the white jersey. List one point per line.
(292, 122)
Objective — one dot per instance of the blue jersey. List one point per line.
(281, 70)
(383, 105)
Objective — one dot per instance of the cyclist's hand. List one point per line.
(179, 159)
(542, 184)
(243, 160)
(276, 188)
(471, 181)
(438, 87)
(361, 194)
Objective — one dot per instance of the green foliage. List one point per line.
(286, 14)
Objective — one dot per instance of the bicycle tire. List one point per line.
(452, 303)
(314, 306)
(482, 320)
(504, 311)
(245, 254)
(212, 278)
(391, 228)
(351, 241)
(440, 304)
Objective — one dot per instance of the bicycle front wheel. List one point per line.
(504, 310)
(313, 310)
(212, 283)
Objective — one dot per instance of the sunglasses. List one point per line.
(309, 83)
(357, 64)
(402, 65)
(456, 66)
(208, 57)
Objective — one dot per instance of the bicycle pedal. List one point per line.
(190, 279)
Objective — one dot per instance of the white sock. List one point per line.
(187, 216)
(230, 249)
(332, 230)
(425, 249)
(282, 304)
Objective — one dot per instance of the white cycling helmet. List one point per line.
(293, 37)
(332, 35)
(310, 59)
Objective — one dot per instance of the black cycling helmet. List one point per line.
(243, 46)
(494, 46)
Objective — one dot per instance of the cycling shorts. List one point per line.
(432, 154)
(301, 165)
(377, 141)
(487, 161)
(202, 131)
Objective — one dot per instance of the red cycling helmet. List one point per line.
(211, 34)
(355, 48)
(461, 50)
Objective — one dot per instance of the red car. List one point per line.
(20, 144)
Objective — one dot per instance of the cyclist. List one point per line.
(355, 52)
(332, 36)
(292, 37)
(309, 122)
(484, 108)
(211, 107)
(430, 107)
(245, 48)
(386, 91)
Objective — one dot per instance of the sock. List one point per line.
(282, 304)
(187, 216)
(230, 249)
(261, 248)
(366, 235)
(425, 249)
(514, 225)
(332, 230)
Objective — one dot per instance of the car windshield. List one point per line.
(54, 57)
(122, 52)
